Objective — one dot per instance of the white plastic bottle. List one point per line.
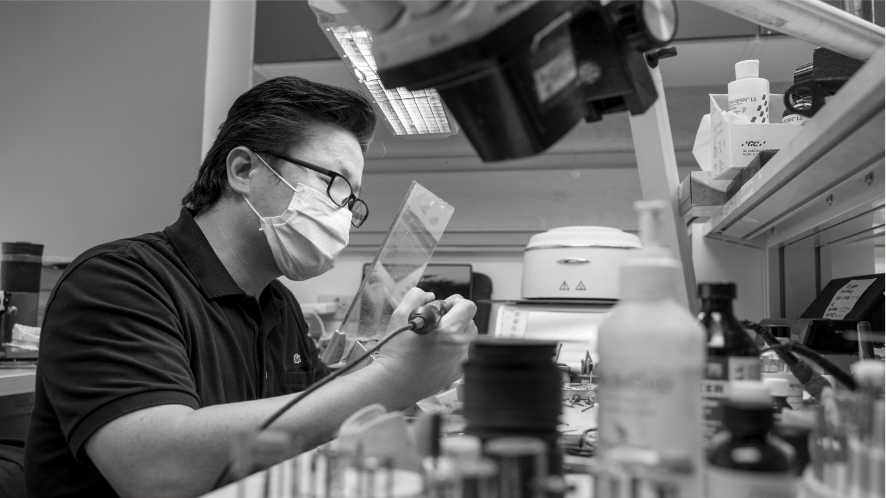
(652, 355)
(749, 94)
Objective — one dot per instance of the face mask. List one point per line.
(309, 235)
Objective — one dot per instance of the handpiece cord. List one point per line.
(823, 362)
(414, 324)
(812, 381)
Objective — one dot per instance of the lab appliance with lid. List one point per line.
(570, 281)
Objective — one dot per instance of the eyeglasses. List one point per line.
(339, 189)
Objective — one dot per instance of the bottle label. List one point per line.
(720, 371)
(656, 409)
(730, 483)
(754, 106)
(794, 119)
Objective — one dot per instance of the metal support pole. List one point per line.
(659, 179)
(228, 61)
(811, 20)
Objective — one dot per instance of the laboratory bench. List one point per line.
(16, 400)
(17, 381)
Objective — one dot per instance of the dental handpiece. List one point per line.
(427, 316)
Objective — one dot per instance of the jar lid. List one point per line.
(515, 446)
(21, 248)
(584, 236)
(716, 290)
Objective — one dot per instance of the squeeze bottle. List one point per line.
(652, 354)
(749, 94)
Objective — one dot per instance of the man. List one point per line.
(158, 349)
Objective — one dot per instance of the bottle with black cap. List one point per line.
(732, 354)
(747, 460)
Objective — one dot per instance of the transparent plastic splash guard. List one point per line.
(397, 267)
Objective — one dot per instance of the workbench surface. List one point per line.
(17, 380)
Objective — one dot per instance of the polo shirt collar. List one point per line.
(190, 242)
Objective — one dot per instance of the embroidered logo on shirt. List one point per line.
(296, 359)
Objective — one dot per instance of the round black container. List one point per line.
(20, 264)
(513, 388)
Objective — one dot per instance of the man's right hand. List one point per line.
(422, 365)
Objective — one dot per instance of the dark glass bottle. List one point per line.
(747, 460)
(732, 354)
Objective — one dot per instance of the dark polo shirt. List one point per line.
(146, 321)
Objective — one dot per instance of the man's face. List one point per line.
(330, 148)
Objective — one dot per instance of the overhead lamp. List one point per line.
(417, 113)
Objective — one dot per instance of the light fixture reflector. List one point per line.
(409, 113)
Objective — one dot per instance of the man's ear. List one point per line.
(242, 166)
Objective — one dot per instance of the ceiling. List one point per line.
(289, 42)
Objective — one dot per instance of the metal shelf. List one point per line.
(832, 170)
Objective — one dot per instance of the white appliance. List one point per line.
(575, 263)
(570, 281)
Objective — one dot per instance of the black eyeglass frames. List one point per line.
(339, 189)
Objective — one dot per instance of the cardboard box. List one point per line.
(756, 164)
(701, 196)
(734, 145)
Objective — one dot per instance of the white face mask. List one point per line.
(309, 235)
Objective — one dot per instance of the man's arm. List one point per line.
(174, 450)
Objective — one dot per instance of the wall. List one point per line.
(101, 108)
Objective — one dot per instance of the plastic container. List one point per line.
(748, 461)
(732, 354)
(779, 389)
(749, 94)
(651, 361)
(772, 366)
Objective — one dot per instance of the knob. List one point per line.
(646, 24)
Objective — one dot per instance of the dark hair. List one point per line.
(275, 116)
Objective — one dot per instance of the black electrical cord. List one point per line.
(422, 320)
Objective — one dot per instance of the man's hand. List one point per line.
(422, 365)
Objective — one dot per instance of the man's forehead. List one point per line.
(346, 164)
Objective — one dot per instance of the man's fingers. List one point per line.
(450, 301)
(462, 311)
(472, 330)
(415, 298)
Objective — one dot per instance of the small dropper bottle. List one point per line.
(749, 94)
(747, 460)
(779, 389)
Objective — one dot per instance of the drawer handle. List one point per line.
(573, 261)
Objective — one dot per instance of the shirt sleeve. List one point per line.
(111, 344)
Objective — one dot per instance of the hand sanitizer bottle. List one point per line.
(652, 354)
(749, 94)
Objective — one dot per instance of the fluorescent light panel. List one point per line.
(409, 113)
